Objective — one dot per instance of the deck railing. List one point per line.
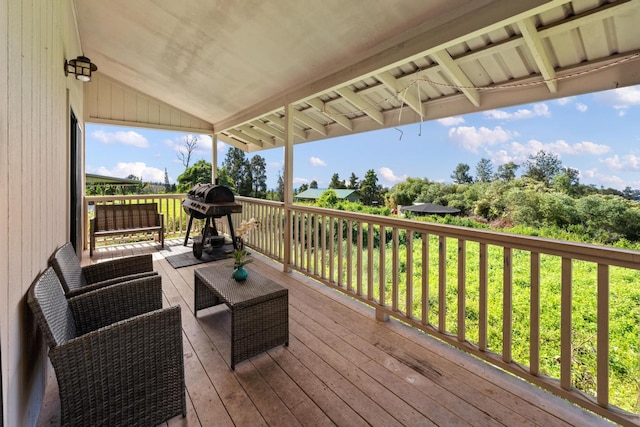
(484, 292)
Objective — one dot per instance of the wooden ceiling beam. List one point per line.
(404, 95)
(244, 137)
(312, 123)
(268, 129)
(457, 76)
(255, 133)
(539, 52)
(279, 121)
(359, 102)
(331, 112)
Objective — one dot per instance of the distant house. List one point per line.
(313, 194)
(430, 209)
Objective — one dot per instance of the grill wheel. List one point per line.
(197, 249)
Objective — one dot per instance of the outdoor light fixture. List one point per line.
(81, 67)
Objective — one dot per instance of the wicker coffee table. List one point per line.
(259, 308)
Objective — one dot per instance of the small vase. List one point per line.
(240, 274)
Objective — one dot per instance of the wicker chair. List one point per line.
(128, 373)
(77, 280)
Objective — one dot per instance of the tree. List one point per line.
(631, 194)
(335, 182)
(353, 182)
(223, 177)
(507, 171)
(484, 170)
(303, 187)
(280, 188)
(167, 184)
(567, 181)
(313, 184)
(258, 167)
(461, 174)
(405, 193)
(542, 166)
(184, 152)
(238, 168)
(199, 173)
(369, 189)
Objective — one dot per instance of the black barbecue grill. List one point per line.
(209, 201)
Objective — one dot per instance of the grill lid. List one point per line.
(211, 193)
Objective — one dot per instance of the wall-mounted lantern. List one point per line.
(81, 67)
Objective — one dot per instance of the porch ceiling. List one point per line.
(358, 65)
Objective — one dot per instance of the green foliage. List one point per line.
(542, 166)
(566, 206)
(280, 189)
(369, 190)
(335, 182)
(507, 171)
(199, 173)
(238, 168)
(328, 199)
(461, 174)
(484, 170)
(354, 183)
(405, 193)
(258, 171)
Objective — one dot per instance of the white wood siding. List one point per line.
(35, 38)
(110, 102)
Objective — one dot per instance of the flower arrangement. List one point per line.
(240, 258)
(246, 227)
(240, 255)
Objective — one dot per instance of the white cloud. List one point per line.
(317, 162)
(621, 98)
(626, 162)
(538, 110)
(586, 147)
(139, 169)
(605, 180)
(121, 137)
(451, 121)
(565, 101)
(518, 152)
(298, 181)
(472, 139)
(389, 176)
(581, 107)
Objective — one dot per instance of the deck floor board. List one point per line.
(342, 367)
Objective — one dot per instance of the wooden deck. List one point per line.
(342, 367)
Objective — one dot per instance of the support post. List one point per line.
(288, 185)
(214, 158)
(381, 316)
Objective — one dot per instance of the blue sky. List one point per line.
(598, 134)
